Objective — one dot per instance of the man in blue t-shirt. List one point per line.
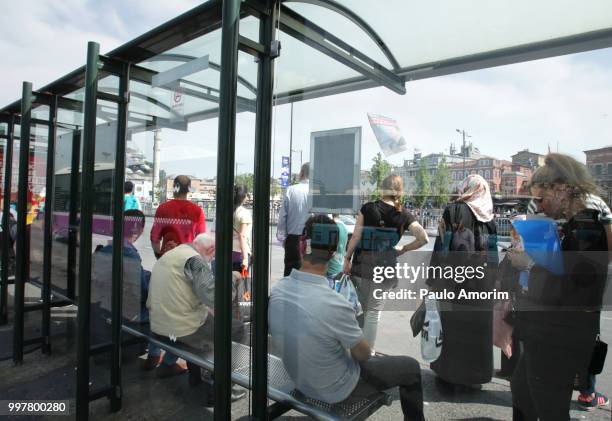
(319, 340)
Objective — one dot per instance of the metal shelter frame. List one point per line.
(273, 15)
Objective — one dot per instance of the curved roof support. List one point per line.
(357, 20)
(184, 58)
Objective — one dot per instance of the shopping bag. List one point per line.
(417, 319)
(431, 335)
(344, 286)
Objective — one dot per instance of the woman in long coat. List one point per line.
(467, 239)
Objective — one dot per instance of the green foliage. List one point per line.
(380, 169)
(441, 183)
(423, 184)
(274, 187)
(245, 179)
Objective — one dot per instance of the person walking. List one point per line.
(243, 226)
(130, 202)
(291, 219)
(468, 230)
(558, 314)
(380, 226)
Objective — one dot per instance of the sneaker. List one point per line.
(151, 362)
(164, 371)
(589, 403)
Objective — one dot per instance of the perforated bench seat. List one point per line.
(280, 386)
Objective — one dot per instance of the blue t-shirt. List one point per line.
(313, 328)
(130, 202)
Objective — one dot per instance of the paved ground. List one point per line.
(149, 398)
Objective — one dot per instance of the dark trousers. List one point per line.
(382, 373)
(293, 259)
(203, 339)
(509, 364)
(543, 382)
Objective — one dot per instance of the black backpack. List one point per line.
(463, 239)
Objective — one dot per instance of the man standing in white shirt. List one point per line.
(291, 219)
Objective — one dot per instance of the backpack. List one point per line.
(381, 240)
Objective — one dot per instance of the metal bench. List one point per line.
(280, 387)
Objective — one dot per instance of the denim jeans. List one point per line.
(590, 386)
(155, 351)
(382, 373)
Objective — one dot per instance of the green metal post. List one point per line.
(6, 236)
(87, 199)
(48, 231)
(224, 216)
(261, 215)
(117, 282)
(22, 249)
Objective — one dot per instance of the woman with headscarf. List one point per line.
(467, 239)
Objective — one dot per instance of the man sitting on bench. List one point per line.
(319, 340)
(181, 296)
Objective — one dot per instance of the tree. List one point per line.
(441, 184)
(274, 187)
(380, 169)
(245, 179)
(423, 184)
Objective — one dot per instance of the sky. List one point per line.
(562, 103)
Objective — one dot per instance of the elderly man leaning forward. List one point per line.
(181, 299)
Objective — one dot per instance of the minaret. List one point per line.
(156, 154)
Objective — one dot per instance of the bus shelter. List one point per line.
(64, 144)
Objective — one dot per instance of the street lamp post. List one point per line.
(464, 135)
(296, 151)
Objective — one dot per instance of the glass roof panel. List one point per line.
(299, 66)
(424, 32)
(342, 28)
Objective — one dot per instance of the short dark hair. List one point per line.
(322, 235)
(182, 183)
(128, 187)
(133, 219)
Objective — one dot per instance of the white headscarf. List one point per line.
(474, 192)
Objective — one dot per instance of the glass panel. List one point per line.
(41, 112)
(172, 132)
(451, 30)
(299, 67)
(102, 240)
(36, 193)
(66, 198)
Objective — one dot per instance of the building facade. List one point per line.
(490, 168)
(528, 159)
(599, 163)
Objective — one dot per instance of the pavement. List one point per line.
(149, 398)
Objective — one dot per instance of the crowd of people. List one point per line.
(327, 346)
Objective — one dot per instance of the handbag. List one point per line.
(432, 336)
(598, 357)
(344, 286)
(417, 319)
